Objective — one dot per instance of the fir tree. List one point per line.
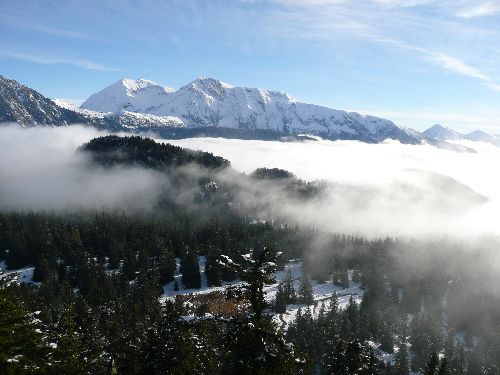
(190, 270)
(443, 367)
(432, 364)
(305, 289)
(280, 303)
(166, 265)
(401, 361)
(21, 341)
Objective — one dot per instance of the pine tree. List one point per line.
(67, 357)
(289, 289)
(280, 303)
(190, 270)
(443, 367)
(306, 296)
(166, 265)
(255, 328)
(387, 341)
(458, 363)
(213, 269)
(401, 361)
(21, 341)
(431, 366)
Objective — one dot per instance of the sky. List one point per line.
(416, 62)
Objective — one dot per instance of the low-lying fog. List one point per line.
(384, 189)
(393, 189)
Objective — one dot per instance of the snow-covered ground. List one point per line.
(24, 275)
(168, 289)
(321, 292)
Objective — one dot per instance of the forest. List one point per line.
(96, 301)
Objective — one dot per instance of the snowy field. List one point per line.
(24, 275)
(322, 292)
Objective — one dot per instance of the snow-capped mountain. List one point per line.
(442, 132)
(480, 136)
(207, 107)
(27, 107)
(207, 102)
(128, 95)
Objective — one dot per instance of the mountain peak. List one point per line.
(481, 136)
(207, 85)
(125, 94)
(134, 85)
(438, 131)
(210, 81)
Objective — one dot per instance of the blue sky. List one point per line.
(417, 62)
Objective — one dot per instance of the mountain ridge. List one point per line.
(444, 133)
(201, 109)
(207, 102)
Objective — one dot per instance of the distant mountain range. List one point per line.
(208, 107)
(446, 134)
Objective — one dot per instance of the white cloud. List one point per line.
(461, 120)
(40, 169)
(485, 9)
(393, 23)
(383, 189)
(54, 60)
(457, 66)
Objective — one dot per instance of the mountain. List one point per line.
(27, 107)
(209, 103)
(203, 108)
(480, 136)
(128, 95)
(441, 132)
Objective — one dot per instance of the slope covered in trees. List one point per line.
(98, 304)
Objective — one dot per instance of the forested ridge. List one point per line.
(97, 305)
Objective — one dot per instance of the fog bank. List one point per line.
(40, 169)
(380, 189)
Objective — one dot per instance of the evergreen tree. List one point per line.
(21, 340)
(432, 364)
(401, 361)
(387, 341)
(213, 269)
(289, 289)
(255, 328)
(190, 270)
(306, 296)
(166, 265)
(443, 367)
(280, 302)
(458, 363)
(69, 352)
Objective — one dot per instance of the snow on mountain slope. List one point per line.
(126, 119)
(442, 132)
(480, 136)
(207, 102)
(63, 103)
(127, 94)
(27, 107)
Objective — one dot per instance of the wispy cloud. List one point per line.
(458, 119)
(54, 60)
(20, 24)
(388, 21)
(485, 9)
